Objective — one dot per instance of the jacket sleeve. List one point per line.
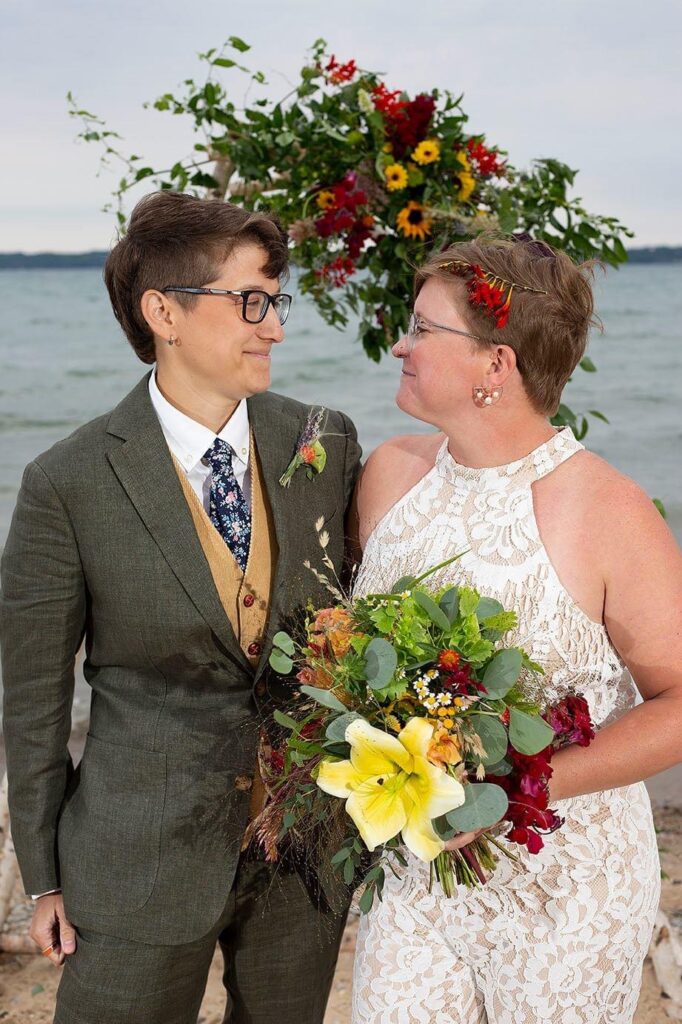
(352, 458)
(42, 621)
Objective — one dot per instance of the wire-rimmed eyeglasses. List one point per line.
(255, 303)
(418, 324)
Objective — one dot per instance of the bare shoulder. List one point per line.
(390, 472)
(616, 508)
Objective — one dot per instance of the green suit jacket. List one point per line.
(144, 835)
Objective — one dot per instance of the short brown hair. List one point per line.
(179, 239)
(548, 332)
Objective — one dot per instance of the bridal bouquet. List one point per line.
(410, 723)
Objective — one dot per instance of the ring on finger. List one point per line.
(48, 951)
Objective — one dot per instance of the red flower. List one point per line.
(338, 73)
(388, 103)
(337, 272)
(407, 121)
(307, 453)
(571, 721)
(485, 160)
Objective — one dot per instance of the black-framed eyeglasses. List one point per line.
(255, 303)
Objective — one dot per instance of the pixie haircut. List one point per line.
(177, 239)
(548, 332)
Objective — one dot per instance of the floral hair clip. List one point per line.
(486, 291)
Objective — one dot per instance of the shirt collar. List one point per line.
(189, 440)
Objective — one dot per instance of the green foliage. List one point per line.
(324, 158)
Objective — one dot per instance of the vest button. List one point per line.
(260, 688)
(248, 600)
(254, 649)
(243, 783)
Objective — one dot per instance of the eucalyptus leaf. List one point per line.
(283, 642)
(502, 672)
(286, 721)
(436, 614)
(486, 607)
(381, 661)
(280, 662)
(493, 736)
(324, 697)
(484, 806)
(501, 768)
(529, 734)
(336, 730)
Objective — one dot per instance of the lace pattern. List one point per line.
(562, 935)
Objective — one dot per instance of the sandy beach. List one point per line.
(28, 983)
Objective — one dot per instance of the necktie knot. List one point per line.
(219, 456)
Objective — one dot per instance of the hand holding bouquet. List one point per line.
(413, 717)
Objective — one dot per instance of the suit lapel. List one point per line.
(144, 466)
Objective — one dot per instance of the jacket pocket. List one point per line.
(110, 828)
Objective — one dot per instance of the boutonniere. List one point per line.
(309, 450)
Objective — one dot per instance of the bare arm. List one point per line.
(643, 614)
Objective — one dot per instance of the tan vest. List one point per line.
(245, 596)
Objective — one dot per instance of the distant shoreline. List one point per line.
(95, 259)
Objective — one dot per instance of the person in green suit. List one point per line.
(161, 536)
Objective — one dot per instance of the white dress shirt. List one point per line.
(189, 441)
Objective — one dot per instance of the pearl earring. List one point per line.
(484, 397)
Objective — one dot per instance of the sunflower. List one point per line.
(467, 182)
(326, 200)
(427, 152)
(396, 177)
(413, 221)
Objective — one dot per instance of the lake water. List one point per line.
(63, 361)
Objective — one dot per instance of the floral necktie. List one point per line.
(228, 510)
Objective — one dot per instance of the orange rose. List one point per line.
(334, 623)
(308, 454)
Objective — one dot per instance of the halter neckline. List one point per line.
(536, 464)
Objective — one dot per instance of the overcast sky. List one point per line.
(595, 83)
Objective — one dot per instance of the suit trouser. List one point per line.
(279, 953)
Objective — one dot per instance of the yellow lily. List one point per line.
(390, 787)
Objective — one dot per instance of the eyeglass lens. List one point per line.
(256, 304)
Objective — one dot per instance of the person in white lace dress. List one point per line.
(583, 556)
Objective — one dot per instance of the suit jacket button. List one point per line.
(243, 783)
(260, 688)
(254, 649)
(248, 600)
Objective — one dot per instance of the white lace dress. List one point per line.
(561, 936)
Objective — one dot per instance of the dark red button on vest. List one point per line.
(248, 600)
(254, 649)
